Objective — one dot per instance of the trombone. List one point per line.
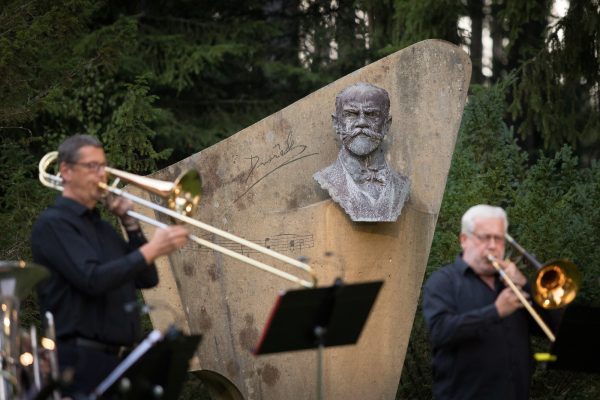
(555, 286)
(182, 197)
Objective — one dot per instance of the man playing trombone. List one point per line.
(478, 328)
(95, 272)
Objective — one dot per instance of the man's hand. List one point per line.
(513, 273)
(507, 302)
(164, 242)
(119, 206)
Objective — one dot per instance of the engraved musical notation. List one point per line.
(289, 242)
(282, 243)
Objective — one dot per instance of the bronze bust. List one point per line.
(360, 179)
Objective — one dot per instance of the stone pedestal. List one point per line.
(258, 185)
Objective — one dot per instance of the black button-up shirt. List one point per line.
(94, 273)
(476, 354)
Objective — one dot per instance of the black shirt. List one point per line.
(476, 354)
(94, 273)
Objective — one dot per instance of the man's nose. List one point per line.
(102, 172)
(492, 242)
(362, 120)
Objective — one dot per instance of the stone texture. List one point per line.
(259, 185)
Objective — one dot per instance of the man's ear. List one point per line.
(335, 121)
(387, 124)
(65, 172)
(463, 238)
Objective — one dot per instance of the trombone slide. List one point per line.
(175, 192)
(213, 246)
(522, 299)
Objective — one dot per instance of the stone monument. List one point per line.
(259, 185)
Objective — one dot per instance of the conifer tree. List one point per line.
(555, 98)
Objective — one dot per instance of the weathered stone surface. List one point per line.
(259, 185)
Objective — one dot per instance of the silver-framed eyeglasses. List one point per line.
(92, 165)
(487, 238)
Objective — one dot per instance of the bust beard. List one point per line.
(361, 142)
(362, 155)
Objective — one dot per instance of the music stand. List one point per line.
(317, 318)
(154, 369)
(577, 346)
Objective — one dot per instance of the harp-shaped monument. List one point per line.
(258, 184)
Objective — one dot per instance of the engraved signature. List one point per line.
(285, 154)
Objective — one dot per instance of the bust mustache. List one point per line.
(361, 141)
(360, 180)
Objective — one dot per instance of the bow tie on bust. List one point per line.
(372, 175)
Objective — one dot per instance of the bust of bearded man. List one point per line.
(360, 180)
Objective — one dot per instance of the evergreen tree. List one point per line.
(555, 98)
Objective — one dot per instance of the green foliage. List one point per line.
(486, 168)
(128, 135)
(516, 21)
(36, 42)
(121, 115)
(555, 215)
(557, 96)
(19, 201)
(19, 198)
(420, 20)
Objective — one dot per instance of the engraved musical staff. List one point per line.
(283, 242)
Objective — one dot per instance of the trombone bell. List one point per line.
(182, 195)
(556, 284)
(186, 193)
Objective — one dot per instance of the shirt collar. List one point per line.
(463, 268)
(73, 206)
(461, 265)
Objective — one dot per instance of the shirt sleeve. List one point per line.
(446, 325)
(58, 245)
(148, 277)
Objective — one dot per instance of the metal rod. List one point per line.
(153, 337)
(209, 228)
(522, 298)
(37, 377)
(532, 260)
(52, 353)
(225, 251)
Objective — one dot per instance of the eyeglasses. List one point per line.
(487, 238)
(92, 166)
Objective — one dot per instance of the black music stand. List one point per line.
(155, 369)
(317, 318)
(577, 346)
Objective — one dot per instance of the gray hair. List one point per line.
(339, 99)
(68, 151)
(481, 211)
